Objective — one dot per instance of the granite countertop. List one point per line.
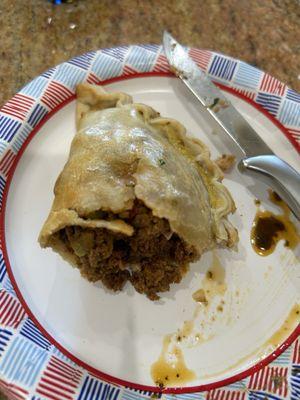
(36, 34)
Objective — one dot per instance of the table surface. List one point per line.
(36, 35)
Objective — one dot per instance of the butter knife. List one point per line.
(259, 160)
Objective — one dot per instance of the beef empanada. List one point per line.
(138, 199)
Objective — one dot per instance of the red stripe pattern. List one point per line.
(248, 93)
(7, 162)
(59, 380)
(201, 57)
(296, 352)
(161, 64)
(272, 85)
(55, 94)
(93, 79)
(129, 70)
(11, 310)
(12, 391)
(295, 133)
(223, 394)
(271, 379)
(19, 106)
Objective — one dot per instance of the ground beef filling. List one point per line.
(151, 259)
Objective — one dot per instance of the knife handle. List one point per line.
(279, 175)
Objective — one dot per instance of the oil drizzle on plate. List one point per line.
(187, 335)
(170, 369)
(269, 228)
(213, 284)
(287, 327)
(289, 324)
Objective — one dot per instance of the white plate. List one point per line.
(120, 334)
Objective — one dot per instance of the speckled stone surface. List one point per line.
(35, 34)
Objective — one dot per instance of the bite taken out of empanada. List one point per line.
(138, 199)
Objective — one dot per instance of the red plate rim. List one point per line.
(106, 377)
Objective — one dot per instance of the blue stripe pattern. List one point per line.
(247, 76)
(2, 263)
(292, 95)
(140, 59)
(31, 332)
(37, 115)
(106, 67)
(36, 87)
(3, 146)
(222, 67)
(284, 358)
(289, 113)
(8, 128)
(135, 394)
(116, 52)
(21, 137)
(83, 61)
(5, 336)
(150, 47)
(48, 74)
(69, 75)
(187, 396)
(257, 395)
(269, 102)
(8, 286)
(23, 361)
(131, 395)
(295, 382)
(62, 357)
(2, 187)
(142, 392)
(94, 389)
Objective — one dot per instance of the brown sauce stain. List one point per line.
(199, 296)
(188, 327)
(287, 327)
(216, 271)
(200, 338)
(214, 281)
(275, 340)
(269, 228)
(170, 368)
(278, 381)
(187, 330)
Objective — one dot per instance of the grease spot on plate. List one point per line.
(269, 228)
(170, 368)
(289, 323)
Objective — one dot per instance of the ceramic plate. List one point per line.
(55, 319)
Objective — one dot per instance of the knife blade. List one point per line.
(260, 161)
(211, 97)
